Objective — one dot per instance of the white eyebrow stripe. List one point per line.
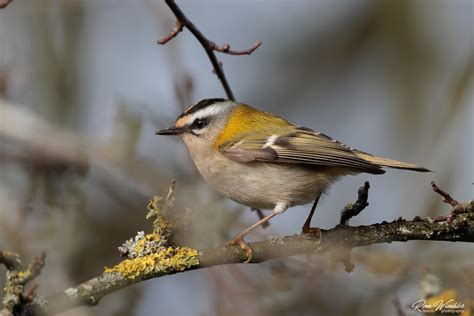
(209, 111)
(270, 141)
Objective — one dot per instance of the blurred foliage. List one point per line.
(68, 189)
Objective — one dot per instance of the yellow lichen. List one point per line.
(157, 207)
(168, 260)
(153, 253)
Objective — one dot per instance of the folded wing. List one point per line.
(302, 146)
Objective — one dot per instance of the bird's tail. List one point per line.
(390, 162)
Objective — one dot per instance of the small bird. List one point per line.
(262, 161)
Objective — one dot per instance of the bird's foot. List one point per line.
(312, 231)
(238, 240)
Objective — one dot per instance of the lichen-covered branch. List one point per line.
(16, 300)
(154, 255)
(90, 292)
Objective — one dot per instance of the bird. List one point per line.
(263, 161)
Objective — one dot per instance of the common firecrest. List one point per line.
(265, 162)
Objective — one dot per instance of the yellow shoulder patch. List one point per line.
(246, 119)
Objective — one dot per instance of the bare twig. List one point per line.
(456, 207)
(30, 295)
(352, 210)
(226, 49)
(36, 267)
(446, 196)
(4, 3)
(209, 46)
(178, 28)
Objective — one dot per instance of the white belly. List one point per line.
(263, 185)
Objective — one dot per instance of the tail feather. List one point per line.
(390, 162)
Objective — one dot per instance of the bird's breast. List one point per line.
(263, 185)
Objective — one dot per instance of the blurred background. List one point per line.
(83, 87)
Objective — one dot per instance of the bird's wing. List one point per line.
(302, 146)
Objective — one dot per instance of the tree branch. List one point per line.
(18, 301)
(208, 45)
(159, 257)
(90, 292)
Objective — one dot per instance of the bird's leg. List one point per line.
(260, 216)
(239, 238)
(307, 229)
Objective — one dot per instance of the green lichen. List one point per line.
(151, 254)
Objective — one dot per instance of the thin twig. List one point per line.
(4, 3)
(209, 46)
(447, 198)
(178, 28)
(456, 207)
(352, 210)
(226, 49)
(30, 295)
(36, 267)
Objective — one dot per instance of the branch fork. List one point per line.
(16, 299)
(457, 208)
(182, 21)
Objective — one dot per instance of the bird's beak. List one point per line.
(171, 131)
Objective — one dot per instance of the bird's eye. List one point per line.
(199, 123)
